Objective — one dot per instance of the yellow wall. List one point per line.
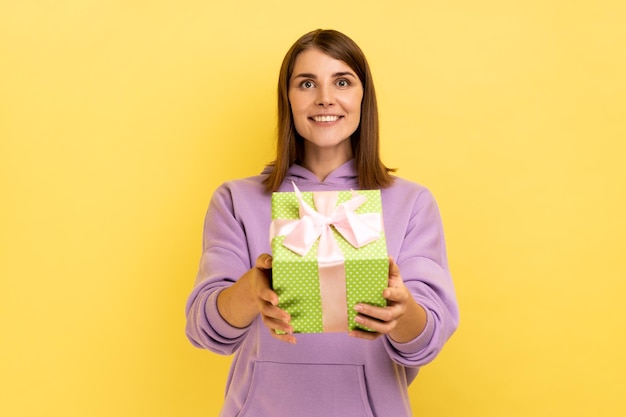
(118, 120)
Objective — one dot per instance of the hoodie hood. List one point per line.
(343, 178)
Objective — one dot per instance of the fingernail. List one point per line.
(358, 307)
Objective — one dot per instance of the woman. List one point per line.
(328, 140)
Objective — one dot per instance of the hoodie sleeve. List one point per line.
(424, 267)
(225, 257)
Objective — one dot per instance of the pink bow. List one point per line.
(301, 234)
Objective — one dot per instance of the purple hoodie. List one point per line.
(328, 374)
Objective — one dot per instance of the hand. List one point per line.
(274, 318)
(402, 319)
(250, 296)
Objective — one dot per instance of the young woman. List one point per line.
(327, 140)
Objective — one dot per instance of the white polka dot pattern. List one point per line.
(296, 279)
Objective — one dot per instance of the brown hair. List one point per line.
(372, 173)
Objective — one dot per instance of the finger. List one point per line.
(263, 261)
(381, 320)
(395, 294)
(288, 338)
(272, 312)
(277, 327)
(269, 296)
(395, 278)
(382, 314)
(378, 326)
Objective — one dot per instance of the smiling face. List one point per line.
(325, 95)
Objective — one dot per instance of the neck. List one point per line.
(323, 163)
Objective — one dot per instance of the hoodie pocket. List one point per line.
(307, 390)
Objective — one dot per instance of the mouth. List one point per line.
(325, 118)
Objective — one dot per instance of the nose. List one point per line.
(325, 96)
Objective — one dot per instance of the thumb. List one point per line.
(264, 261)
(394, 273)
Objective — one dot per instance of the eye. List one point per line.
(307, 84)
(342, 82)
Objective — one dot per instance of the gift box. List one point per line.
(329, 253)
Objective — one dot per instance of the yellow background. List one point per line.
(119, 118)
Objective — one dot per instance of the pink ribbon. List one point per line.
(301, 234)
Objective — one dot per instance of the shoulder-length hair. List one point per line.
(372, 173)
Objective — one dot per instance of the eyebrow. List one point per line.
(335, 75)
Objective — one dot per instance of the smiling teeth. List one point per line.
(325, 118)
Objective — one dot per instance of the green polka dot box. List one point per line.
(296, 278)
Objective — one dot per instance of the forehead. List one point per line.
(314, 60)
